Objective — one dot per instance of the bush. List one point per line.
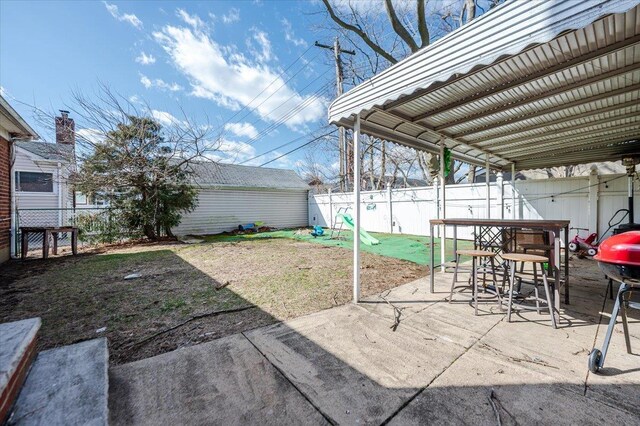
(102, 227)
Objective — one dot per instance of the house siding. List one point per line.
(36, 200)
(222, 210)
(5, 199)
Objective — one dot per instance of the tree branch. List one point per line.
(422, 25)
(399, 28)
(375, 47)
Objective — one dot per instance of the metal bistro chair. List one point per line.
(476, 268)
(513, 259)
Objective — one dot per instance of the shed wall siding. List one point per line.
(222, 210)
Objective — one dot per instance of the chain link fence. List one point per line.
(95, 225)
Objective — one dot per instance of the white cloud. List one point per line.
(93, 136)
(232, 16)
(123, 17)
(264, 54)
(145, 59)
(164, 118)
(3, 91)
(242, 129)
(159, 83)
(191, 20)
(221, 74)
(228, 151)
(290, 36)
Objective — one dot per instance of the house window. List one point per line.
(34, 182)
(81, 199)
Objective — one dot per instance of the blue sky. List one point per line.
(208, 59)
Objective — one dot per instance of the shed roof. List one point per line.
(538, 84)
(233, 175)
(48, 151)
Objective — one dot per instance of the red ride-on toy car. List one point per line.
(589, 245)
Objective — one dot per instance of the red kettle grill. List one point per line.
(619, 258)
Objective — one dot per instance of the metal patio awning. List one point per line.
(531, 83)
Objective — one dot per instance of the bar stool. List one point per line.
(477, 255)
(513, 259)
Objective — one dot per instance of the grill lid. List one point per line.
(621, 249)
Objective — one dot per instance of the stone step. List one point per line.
(66, 386)
(17, 351)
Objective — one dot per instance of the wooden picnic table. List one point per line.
(499, 241)
(47, 231)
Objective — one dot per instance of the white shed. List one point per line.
(230, 195)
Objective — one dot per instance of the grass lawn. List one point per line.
(181, 288)
(413, 248)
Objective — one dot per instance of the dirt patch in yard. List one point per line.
(183, 292)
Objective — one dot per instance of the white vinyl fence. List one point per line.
(588, 202)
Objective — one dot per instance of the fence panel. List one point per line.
(94, 225)
(408, 211)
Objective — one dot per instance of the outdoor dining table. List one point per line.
(499, 235)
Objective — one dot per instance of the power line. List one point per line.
(269, 85)
(277, 148)
(296, 149)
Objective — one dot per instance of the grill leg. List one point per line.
(625, 326)
(612, 322)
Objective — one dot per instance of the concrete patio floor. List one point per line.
(402, 357)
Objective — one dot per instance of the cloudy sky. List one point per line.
(249, 67)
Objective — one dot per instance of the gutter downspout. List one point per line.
(59, 194)
(12, 191)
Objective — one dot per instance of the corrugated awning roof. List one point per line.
(233, 175)
(538, 84)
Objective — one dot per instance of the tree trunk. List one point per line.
(383, 164)
(471, 174)
(450, 179)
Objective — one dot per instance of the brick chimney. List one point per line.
(65, 129)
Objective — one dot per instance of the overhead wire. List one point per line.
(295, 149)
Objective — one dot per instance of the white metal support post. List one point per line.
(330, 209)
(356, 210)
(593, 199)
(500, 189)
(513, 190)
(443, 203)
(390, 207)
(487, 180)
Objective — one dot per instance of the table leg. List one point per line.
(55, 242)
(45, 244)
(455, 241)
(432, 260)
(74, 242)
(566, 265)
(24, 244)
(556, 287)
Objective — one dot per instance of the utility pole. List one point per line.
(345, 160)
